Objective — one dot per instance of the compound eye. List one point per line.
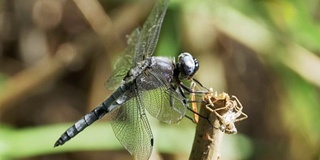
(196, 67)
(188, 65)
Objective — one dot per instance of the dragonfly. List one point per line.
(142, 82)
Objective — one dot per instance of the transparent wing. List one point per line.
(132, 129)
(140, 44)
(150, 31)
(125, 62)
(163, 103)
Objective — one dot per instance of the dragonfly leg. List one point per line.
(198, 114)
(182, 92)
(191, 119)
(189, 90)
(201, 85)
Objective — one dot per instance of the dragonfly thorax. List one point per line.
(187, 66)
(159, 72)
(137, 70)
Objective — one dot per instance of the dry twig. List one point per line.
(222, 112)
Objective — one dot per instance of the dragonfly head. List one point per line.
(187, 66)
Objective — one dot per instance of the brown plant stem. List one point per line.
(208, 139)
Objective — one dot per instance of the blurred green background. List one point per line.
(56, 55)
